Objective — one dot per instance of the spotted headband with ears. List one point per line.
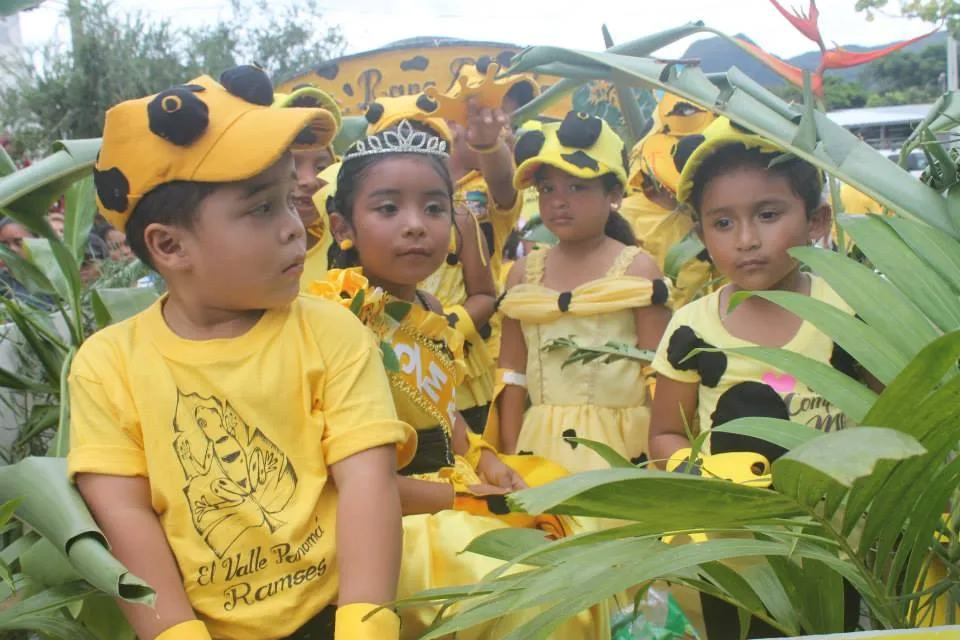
(202, 131)
(581, 145)
(387, 113)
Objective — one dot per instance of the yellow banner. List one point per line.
(425, 375)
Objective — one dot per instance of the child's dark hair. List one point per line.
(354, 170)
(803, 177)
(174, 203)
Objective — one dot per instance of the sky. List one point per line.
(369, 24)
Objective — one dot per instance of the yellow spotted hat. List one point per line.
(476, 81)
(386, 113)
(654, 156)
(202, 131)
(722, 133)
(310, 97)
(581, 145)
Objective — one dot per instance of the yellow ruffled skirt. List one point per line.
(545, 427)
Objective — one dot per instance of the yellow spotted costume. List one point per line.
(655, 163)
(606, 402)
(430, 363)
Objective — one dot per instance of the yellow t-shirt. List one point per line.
(734, 386)
(237, 437)
(496, 224)
(315, 265)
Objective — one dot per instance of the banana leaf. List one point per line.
(52, 507)
(834, 149)
(7, 165)
(352, 128)
(114, 305)
(681, 253)
(27, 194)
(79, 212)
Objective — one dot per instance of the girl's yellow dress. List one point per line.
(430, 364)
(447, 285)
(606, 402)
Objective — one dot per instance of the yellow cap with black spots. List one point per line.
(680, 117)
(202, 131)
(722, 133)
(654, 156)
(386, 113)
(477, 81)
(309, 97)
(581, 145)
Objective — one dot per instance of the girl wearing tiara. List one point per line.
(394, 201)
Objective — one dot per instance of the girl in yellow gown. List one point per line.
(594, 286)
(394, 197)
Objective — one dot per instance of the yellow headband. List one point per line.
(389, 112)
(202, 131)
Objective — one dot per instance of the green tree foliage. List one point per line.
(935, 11)
(63, 92)
(906, 77)
(838, 93)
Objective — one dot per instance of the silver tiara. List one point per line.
(403, 139)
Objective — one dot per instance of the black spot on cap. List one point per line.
(426, 104)
(579, 130)
(452, 259)
(374, 113)
(581, 160)
(347, 89)
(250, 83)
(328, 70)
(684, 149)
(483, 63)
(564, 300)
(661, 293)
(711, 365)
(113, 188)
(747, 400)
(504, 59)
(178, 116)
(570, 433)
(529, 145)
(497, 504)
(416, 63)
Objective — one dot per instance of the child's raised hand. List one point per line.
(493, 471)
(484, 125)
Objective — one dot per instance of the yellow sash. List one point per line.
(427, 374)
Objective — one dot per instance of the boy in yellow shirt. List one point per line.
(236, 443)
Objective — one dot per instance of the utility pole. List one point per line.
(952, 77)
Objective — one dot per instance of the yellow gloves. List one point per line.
(190, 630)
(383, 625)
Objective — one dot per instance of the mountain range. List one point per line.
(717, 54)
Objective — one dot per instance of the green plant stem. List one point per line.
(61, 442)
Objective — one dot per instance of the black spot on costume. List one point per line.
(178, 116)
(497, 504)
(528, 146)
(579, 130)
(640, 459)
(661, 293)
(570, 433)
(747, 400)
(328, 70)
(250, 83)
(416, 63)
(113, 188)
(711, 365)
(581, 160)
(564, 300)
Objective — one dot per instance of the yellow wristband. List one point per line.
(189, 630)
(460, 320)
(477, 446)
(350, 625)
